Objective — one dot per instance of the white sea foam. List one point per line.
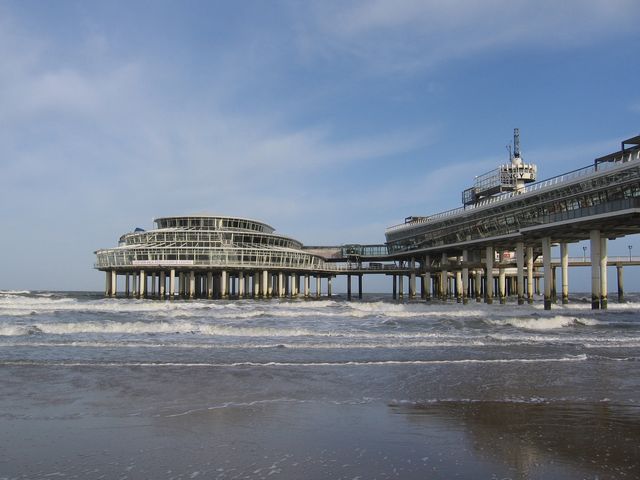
(568, 358)
(544, 323)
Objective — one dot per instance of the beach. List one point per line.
(123, 388)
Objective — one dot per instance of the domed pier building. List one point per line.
(211, 256)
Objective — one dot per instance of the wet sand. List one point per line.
(135, 423)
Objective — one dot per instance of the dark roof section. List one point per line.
(634, 142)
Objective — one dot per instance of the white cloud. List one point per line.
(408, 34)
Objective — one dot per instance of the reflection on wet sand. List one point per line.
(599, 439)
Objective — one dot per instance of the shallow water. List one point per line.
(316, 389)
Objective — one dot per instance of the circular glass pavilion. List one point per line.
(210, 256)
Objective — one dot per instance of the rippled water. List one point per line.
(478, 370)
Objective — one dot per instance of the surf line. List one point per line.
(575, 358)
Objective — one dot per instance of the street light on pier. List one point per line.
(584, 253)
(630, 247)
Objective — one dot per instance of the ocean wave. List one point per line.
(545, 323)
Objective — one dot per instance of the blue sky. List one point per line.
(330, 120)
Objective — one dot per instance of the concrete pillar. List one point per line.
(329, 291)
(520, 272)
(427, 278)
(127, 291)
(444, 277)
(209, 285)
(412, 279)
(307, 282)
(264, 285)
(192, 284)
(360, 286)
(530, 288)
(564, 267)
(395, 286)
(554, 294)
(594, 236)
(603, 273)
(400, 286)
(143, 284)
(255, 284)
(163, 283)
(280, 284)
(459, 286)
(502, 285)
(241, 285)
(114, 283)
(489, 257)
(349, 287)
(478, 285)
(107, 283)
(172, 282)
(318, 285)
(224, 284)
(465, 276)
(548, 275)
(620, 283)
(271, 281)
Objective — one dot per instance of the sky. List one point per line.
(330, 120)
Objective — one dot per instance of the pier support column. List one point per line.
(564, 261)
(465, 276)
(488, 291)
(412, 279)
(107, 283)
(620, 283)
(264, 285)
(426, 288)
(307, 285)
(143, 285)
(530, 288)
(349, 287)
(395, 286)
(459, 286)
(209, 285)
(520, 272)
(548, 274)
(152, 291)
(594, 236)
(444, 277)
(255, 284)
(360, 286)
(400, 286)
(163, 283)
(172, 283)
(329, 289)
(224, 284)
(502, 285)
(114, 283)
(241, 285)
(603, 273)
(127, 292)
(478, 285)
(318, 285)
(280, 284)
(192, 284)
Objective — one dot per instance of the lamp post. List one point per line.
(630, 247)
(584, 253)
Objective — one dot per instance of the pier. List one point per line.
(497, 244)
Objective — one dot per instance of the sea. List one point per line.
(95, 387)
